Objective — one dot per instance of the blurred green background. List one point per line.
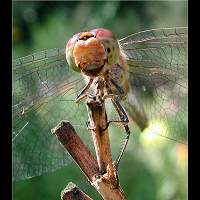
(150, 169)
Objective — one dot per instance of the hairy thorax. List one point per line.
(119, 74)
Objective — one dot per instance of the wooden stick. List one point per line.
(77, 149)
(72, 192)
(99, 130)
(104, 184)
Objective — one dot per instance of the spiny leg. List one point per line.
(124, 118)
(82, 93)
(122, 114)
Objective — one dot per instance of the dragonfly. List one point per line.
(147, 71)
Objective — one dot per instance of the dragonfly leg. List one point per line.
(124, 119)
(115, 98)
(82, 93)
(116, 102)
(120, 90)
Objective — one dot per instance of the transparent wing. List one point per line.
(158, 70)
(44, 89)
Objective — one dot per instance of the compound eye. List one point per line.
(73, 40)
(102, 32)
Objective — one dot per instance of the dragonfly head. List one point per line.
(90, 51)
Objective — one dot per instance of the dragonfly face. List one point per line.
(91, 51)
(150, 66)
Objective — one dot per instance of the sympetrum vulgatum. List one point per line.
(45, 89)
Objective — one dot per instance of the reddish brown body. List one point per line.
(97, 53)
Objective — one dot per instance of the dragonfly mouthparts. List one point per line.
(93, 70)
